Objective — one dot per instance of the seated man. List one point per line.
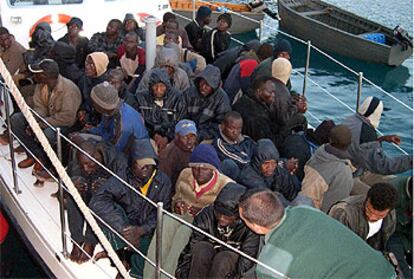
(204, 258)
(265, 172)
(12, 52)
(88, 177)
(129, 213)
(196, 28)
(167, 59)
(120, 123)
(367, 155)
(207, 103)
(199, 185)
(116, 79)
(57, 100)
(108, 41)
(234, 149)
(170, 24)
(161, 106)
(131, 57)
(176, 156)
(303, 242)
(328, 175)
(254, 108)
(372, 217)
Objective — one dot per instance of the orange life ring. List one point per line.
(142, 17)
(61, 18)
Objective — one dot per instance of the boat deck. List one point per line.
(38, 216)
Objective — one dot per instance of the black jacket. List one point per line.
(281, 181)
(214, 42)
(257, 117)
(207, 112)
(195, 34)
(241, 236)
(81, 50)
(158, 119)
(114, 194)
(64, 55)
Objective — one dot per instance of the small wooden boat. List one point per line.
(239, 25)
(336, 30)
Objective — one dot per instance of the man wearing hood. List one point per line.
(130, 24)
(196, 28)
(129, 213)
(108, 42)
(120, 124)
(40, 45)
(234, 149)
(88, 176)
(168, 59)
(204, 258)
(328, 175)
(161, 106)
(287, 113)
(78, 42)
(96, 65)
(367, 155)
(217, 39)
(65, 56)
(207, 103)
(264, 172)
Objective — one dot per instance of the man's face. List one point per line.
(116, 82)
(90, 69)
(73, 30)
(224, 220)
(202, 175)
(267, 92)
(87, 165)
(284, 54)
(142, 172)
(232, 128)
(268, 167)
(222, 25)
(130, 43)
(205, 88)
(374, 215)
(40, 78)
(130, 25)
(112, 28)
(171, 27)
(207, 20)
(187, 143)
(171, 37)
(159, 90)
(5, 41)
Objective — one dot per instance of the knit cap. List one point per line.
(105, 95)
(205, 156)
(101, 61)
(282, 46)
(203, 12)
(281, 69)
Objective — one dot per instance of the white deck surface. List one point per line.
(38, 215)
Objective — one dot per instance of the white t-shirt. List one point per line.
(374, 227)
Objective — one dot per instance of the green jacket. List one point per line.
(309, 244)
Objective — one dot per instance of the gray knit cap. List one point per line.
(105, 95)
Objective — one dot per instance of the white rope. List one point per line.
(318, 50)
(59, 167)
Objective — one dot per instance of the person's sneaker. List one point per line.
(4, 139)
(19, 150)
(26, 163)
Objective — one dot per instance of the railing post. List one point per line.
(308, 53)
(61, 197)
(150, 41)
(158, 244)
(194, 9)
(360, 78)
(261, 30)
(9, 131)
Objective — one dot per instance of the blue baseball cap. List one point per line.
(185, 127)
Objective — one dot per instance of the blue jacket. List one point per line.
(120, 133)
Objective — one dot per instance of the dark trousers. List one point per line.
(19, 126)
(76, 223)
(208, 262)
(396, 245)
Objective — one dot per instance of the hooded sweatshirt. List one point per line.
(160, 115)
(281, 181)
(65, 56)
(114, 194)
(207, 111)
(167, 57)
(238, 236)
(328, 178)
(365, 151)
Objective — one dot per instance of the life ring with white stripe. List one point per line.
(51, 19)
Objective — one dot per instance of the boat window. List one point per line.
(17, 3)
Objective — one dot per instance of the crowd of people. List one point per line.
(220, 138)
